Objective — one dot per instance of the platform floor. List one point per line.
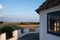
(33, 36)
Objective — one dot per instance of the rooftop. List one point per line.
(48, 4)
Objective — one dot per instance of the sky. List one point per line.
(19, 10)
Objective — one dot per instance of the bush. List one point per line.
(1, 22)
(8, 29)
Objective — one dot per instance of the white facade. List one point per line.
(3, 36)
(43, 25)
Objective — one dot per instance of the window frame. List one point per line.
(52, 13)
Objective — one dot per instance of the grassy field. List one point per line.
(21, 25)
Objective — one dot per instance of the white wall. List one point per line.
(15, 34)
(43, 25)
(3, 36)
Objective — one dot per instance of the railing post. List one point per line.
(19, 33)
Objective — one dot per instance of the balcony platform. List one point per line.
(32, 36)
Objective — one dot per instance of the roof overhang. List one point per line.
(48, 4)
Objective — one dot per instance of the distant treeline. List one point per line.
(21, 23)
(29, 23)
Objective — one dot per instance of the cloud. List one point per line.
(1, 15)
(1, 7)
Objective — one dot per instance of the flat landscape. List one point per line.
(22, 24)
